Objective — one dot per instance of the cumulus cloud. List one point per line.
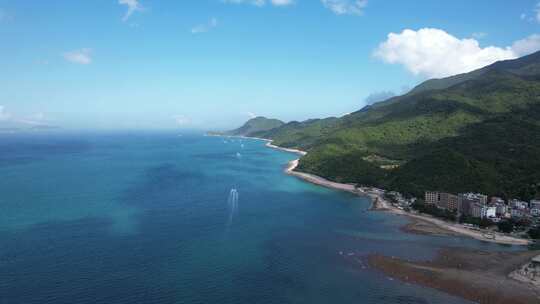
(203, 28)
(431, 52)
(261, 2)
(346, 7)
(132, 7)
(82, 56)
(526, 46)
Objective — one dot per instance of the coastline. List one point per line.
(470, 274)
(473, 275)
(381, 204)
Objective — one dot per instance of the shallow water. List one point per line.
(147, 218)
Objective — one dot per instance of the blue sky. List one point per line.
(149, 64)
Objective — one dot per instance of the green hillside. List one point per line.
(472, 132)
(255, 126)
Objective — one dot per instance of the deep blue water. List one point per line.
(145, 218)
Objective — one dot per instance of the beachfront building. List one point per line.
(448, 201)
(518, 213)
(432, 197)
(517, 204)
(501, 209)
(482, 211)
(442, 200)
(467, 200)
(535, 204)
(489, 212)
(496, 200)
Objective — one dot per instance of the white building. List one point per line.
(483, 211)
(466, 201)
(517, 204)
(517, 213)
(501, 208)
(431, 197)
(535, 204)
(496, 200)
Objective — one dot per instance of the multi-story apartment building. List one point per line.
(442, 200)
(535, 204)
(448, 201)
(517, 204)
(467, 200)
(496, 200)
(482, 211)
(432, 197)
(501, 209)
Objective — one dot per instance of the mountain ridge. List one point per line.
(406, 142)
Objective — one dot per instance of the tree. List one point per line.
(506, 226)
(484, 223)
(534, 233)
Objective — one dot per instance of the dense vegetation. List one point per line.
(472, 132)
(254, 126)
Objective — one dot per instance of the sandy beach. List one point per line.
(300, 152)
(380, 204)
(430, 225)
(482, 277)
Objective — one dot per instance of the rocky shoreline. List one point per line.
(479, 276)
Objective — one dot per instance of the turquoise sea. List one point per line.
(157, 217)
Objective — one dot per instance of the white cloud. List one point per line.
(433, 52)
(526, 46)
(3, 114)
(82, 56)
(203, 28)
(282, 2)
(182, 120)
(251, 114)
(262, 2)
(34, 119)
(346, 7)
(132, 7)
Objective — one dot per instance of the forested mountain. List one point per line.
(478, 131)
(253, 126)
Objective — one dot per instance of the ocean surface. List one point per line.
(154, 217)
